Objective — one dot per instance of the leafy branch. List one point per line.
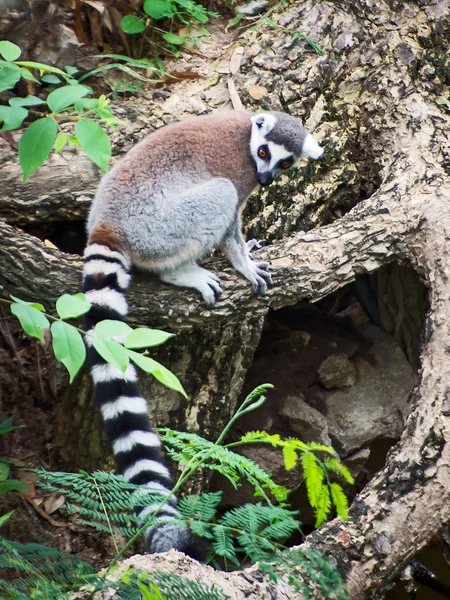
(68, 102)
(115, 341)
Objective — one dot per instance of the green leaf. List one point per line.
(12, 485)
(71, 307)
(158, 371)
(333, 464)
(4, 518)
(113, 352)
(35, 304)
(32, 320)
(60, 142)
(200, 17)
(71, 70)
(12, 117)
(41, 67)
(171, 38)
(7, 426)
(109, 328)
(88, 103)
(4, 471)
(27, 101)
(9, 76)
(51, 78)
(27, 75)
(132, 24)
(94, 141)
(68, 347)
(158, 9)
(35, 145)
(9, 51)
(65, 96)
(145, 338)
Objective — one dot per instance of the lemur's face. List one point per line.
(278, 141)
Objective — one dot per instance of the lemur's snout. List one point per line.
(265, 178)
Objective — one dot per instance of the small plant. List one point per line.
(67, 101)
(252, 532)
(189, 13)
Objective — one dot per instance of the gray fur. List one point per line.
(178, 194)
(288, 132)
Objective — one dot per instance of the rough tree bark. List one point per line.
(378, 101)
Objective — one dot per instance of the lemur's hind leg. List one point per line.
(191, 223)
(193, 276)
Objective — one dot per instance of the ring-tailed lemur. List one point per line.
(174, 197)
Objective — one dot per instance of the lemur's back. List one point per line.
(173, 158)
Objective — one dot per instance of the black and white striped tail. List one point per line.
(137, 449)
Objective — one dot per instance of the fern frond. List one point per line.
(229, 464)
(201, 508)
(323, 508)
(250, 517)
(257, 392)
(262, 437)
(223, 544)
(281, 530)
(339, 500)
(259, 530)
(334, 465)
(40, 568)
(313, 447)
(201, 529)
(100, 499)
(313, 477)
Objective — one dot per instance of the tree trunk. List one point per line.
(377, 99)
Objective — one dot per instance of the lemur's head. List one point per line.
(278, 141)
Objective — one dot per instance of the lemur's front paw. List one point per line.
(260, 278)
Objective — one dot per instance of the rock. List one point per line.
(305, 421)
(356, 462)
(377, 405)
(336, 371)
(217, 95)
(252, 8)
(177, 105)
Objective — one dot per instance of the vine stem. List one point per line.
(50, 317)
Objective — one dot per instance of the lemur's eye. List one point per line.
(285, 164)
(262, 152)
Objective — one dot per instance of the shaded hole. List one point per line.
(343, 370)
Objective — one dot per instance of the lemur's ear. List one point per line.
(264, 122)
(311, 148)
(259, 121)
